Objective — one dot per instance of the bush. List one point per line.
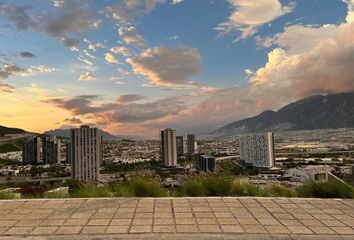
(191, 188)
(4, 195)
(332, 189)
(276, 190)
(217, 186)
(91, 190)
(147, 188)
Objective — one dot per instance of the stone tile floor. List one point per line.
(143, 217)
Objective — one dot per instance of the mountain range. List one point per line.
(65, 133)
(315, 112)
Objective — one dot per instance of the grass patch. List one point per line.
(332, 189)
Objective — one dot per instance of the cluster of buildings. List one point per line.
(84, 152)
(173, 146)
(45, 150)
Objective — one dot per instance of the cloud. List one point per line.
(130, 36)
(73, 120)
(89, 63)
(127, 10)
(88, 76)
(33, 70)
(27, 54)
(123, 110)
(69, 42)
(79, 105)
(177, 1)
(165, 66)
(247, 16)
(121, 50)
(7, 88)
(18, 15)
(9, 69)
(129, 98)
(110, 58)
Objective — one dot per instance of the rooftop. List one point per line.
(176, 218)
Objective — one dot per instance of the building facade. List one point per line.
(206, 163)
(31, 151)
(191, 144)
(51, 150)
(181, 146)
(85, 153)
(168, 148)
(258, 149)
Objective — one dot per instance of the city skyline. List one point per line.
(133, 67)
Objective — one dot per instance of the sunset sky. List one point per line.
(134, 66)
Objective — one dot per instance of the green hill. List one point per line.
(7, 130)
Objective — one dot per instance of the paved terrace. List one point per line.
(177, 218)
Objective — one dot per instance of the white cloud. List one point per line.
(110, 58)
(247, 16)
(130, 36)
(177, 1)
(165, 66)
(121, 50)
(88, 76)
(33, 70)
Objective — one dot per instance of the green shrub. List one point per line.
(332, 189)
(276, 190)
(143, 187)
(191, 188)
(91, 190)
(4, 195)
(217, 186)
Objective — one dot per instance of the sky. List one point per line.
(132, 67)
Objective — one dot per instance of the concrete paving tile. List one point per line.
(323, 216)
(181, 210)
(289, 222)
(277, 229)
(68, 230)
(185, 221)
(268, 221)
(82, 215)
(122, 221)
(52, 222)
(7, 223)
(76, 222)
(223, 214)
(164, 221)
(203, 221)
(299, 230)
(312, 223)
(254, 228)
(142, 221)
(302, 216)
(231, 228)
(164, 229)
(143, 215)
(343, 230)
(144, 210)
(322, 230)
(201, 209)
(117, 229)
(140, 229)
(125, 210)
(3, 229)
(123, 215)
(18, 231)
(333, 223)
(204, 214)
(212, 228)
(183, 215)
(163, 210)
(227, 221)
(180, 228)
(248, 221)
(98, 222)
(44, 230)
(93, 229)
(28, 223)
(163, 215)
(102, 215)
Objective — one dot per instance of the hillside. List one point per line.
(6, 130)
(316, 112)
(65, 133)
